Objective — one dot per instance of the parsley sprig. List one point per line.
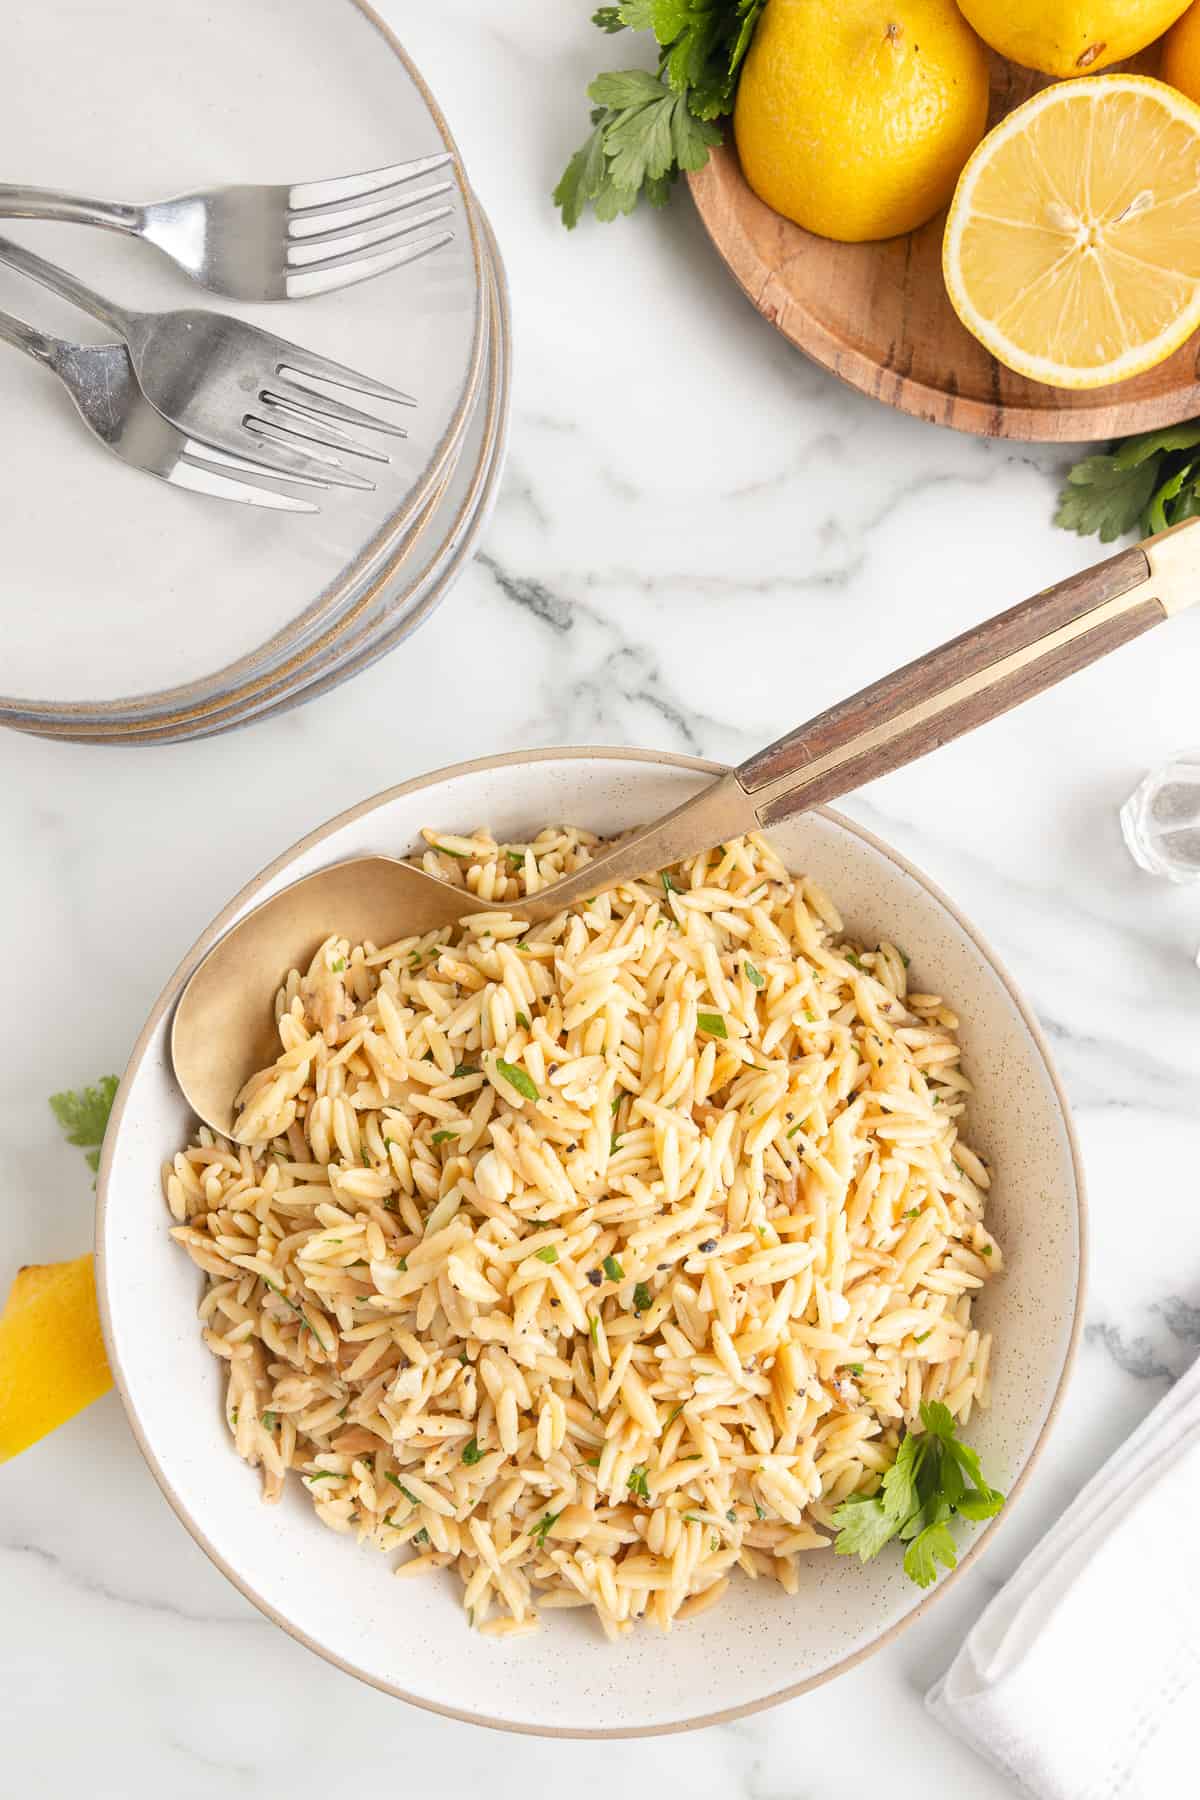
(1143, 484)
(83, 1116)
(925, 1488)
(647, 127)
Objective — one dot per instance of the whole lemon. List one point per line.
(855, 119)
(1181, 54)
(1070, 37)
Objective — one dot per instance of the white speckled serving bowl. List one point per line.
(412, 1638)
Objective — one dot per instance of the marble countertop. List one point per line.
(701, 539)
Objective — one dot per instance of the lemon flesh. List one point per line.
(1072, 249)
(1070, 37)
(52, 1361)
(855, 120)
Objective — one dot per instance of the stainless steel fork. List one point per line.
(101, 382)
(234, 386)
(274, 243)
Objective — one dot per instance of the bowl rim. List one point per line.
(166, 999)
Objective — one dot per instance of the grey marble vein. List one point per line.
(77, 1577)
(1181, 1318)
(614, 668)
(1133, 1355)
(219, 1766)
(530, 594)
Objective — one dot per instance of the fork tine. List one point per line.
(310, 402)
(267, 432)
(355, 233)
(285, 464)
(315, 219)
(326, 435)
(201, 476)
(355, 187)
(355, 265)
(295, 360)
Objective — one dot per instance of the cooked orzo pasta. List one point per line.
(601, 1258)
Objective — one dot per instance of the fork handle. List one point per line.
(68, 286)
(74, 209)
(25, 337)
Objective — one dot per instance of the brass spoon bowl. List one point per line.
(224, 1032)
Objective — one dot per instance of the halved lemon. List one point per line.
(1072, 249)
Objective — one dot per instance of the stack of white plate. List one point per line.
(131, 611)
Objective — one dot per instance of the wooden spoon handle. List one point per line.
(963, 684)
(977, 676)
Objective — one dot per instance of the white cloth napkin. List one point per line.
(1081, 1680)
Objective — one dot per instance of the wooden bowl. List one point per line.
(878, 316)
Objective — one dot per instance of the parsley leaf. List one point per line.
(864, 1527)
(925, 1488)
(542, 1527)
(516, 1078)
(647, 126)
(84, 1115)
(471, 1452)
(623, 90)
(642, 1299)
(1143, 484)
(980, 1503)
(937, 1418)
(548, 1255)
(637, 1482)
(613, 1269)
(752, 975)
(953, 1485)
(932, 1546)
(713, 1024)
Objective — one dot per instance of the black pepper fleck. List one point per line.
(708, 1245)
(595, 1277)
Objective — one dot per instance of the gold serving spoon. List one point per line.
(224, 1030)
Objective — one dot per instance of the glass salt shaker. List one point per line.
(1161, 819)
